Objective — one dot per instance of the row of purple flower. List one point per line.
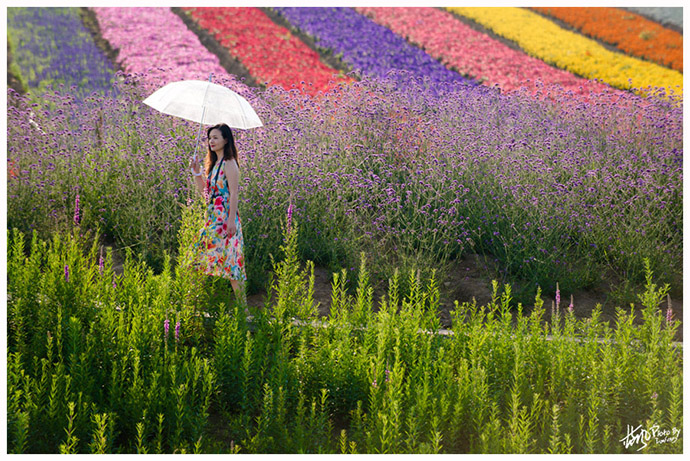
(51, 46)
(367, 46)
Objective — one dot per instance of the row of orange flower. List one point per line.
(628, 31)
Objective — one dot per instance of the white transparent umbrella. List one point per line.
(204, 102)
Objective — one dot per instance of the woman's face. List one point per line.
(216, 141)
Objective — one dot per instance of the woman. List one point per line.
(220, 248)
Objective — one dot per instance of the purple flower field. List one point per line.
(555, 193)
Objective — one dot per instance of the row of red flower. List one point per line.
(271, 53)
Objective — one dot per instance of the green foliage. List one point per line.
(94, 358)
(90, 368)
(14, 70)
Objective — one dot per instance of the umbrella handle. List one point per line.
(192, 169)
(196, 148)
(201, 124)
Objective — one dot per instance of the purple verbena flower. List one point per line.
(66, 273)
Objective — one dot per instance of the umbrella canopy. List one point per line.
(204, 102)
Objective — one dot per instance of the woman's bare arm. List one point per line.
(232, 173)
(200, 184)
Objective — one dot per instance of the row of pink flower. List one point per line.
(156, 42)
(473, 53)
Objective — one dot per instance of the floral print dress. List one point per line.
(218, 254)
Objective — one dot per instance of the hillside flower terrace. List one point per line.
(399, 146)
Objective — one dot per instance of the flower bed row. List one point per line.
(51, 46)
(545, 40)
(156, 43)
(270, 52)
(474, 53)
(366, 46)
(629, 32)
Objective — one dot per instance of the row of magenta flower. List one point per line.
(368, 39)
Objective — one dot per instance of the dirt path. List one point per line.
(470, 279)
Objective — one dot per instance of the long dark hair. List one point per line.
(229, 151)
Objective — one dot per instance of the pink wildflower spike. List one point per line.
(76, 210)
(289, 216)
(166, 327)
(101, 263)
(388, 376)
(571, 307)
(558, 296)
(669, 311)
(177, 331)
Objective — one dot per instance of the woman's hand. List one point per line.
(195, 166)
(231, 228)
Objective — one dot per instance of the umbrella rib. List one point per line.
(244, 116)
(203, 105)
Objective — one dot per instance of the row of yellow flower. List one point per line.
(580, 55)
(629, 32)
